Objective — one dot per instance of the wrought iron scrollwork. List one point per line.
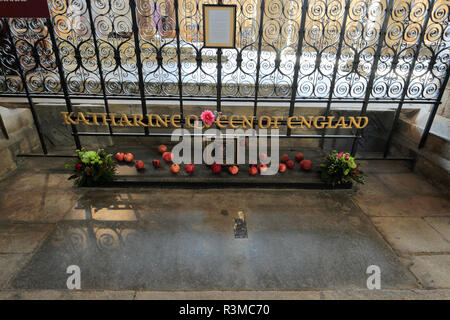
(74, 37)
(322, 31)
(198, 63)
(279, 43)
(239, 66)
(402, 37)
(434, 57)
(358, 52)
(35, 54)
(114, 30)
(10, 81)
(156, 21)
(264, 57)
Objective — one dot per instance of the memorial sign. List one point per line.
(219, 26)
(222, 121)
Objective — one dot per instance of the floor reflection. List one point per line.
(158, 241)
(97, 230)
(107, 223)
(117, 207)
(77, 239)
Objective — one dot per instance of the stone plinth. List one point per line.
(22, 135)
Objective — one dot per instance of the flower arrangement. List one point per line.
(92, 168)
(340, 168)
(208, 117)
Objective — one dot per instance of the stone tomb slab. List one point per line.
(182, 240)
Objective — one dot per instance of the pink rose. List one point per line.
(207, 117)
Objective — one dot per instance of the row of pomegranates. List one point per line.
(286, 163)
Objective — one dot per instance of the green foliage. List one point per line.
(340, 168)
(92, 168)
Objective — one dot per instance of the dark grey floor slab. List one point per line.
(184, 240)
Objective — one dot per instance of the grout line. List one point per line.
(443, 237)
(24, 222)
(434, 253)
(399, 254)
(22, 264)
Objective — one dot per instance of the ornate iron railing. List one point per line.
(386, 51)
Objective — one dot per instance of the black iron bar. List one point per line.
(168, 134)
(139, 66)
(298, 55)
(62, 79)
(36, 155)
(219, 80)
(3, 128)
(258, 56)
(408, 79)
(180, 79)
(219, 73)
(373, 70)
(21, 71)
(225, 99)
(99, 62)
(336, 65)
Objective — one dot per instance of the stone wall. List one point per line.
(444, 108)
(23, 137)
(58, 134)
(432, 161)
